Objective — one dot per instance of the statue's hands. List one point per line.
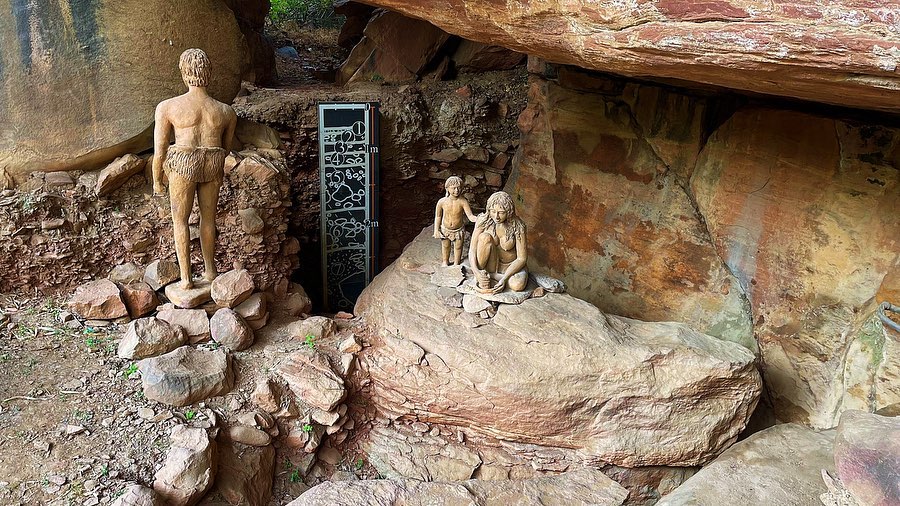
(438, 234)
(501, 284)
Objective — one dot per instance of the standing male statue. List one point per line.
(203, 129)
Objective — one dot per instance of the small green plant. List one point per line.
(89, 330)
(310, 340)
(358, 465)
(190, 414)
(295, 476)
(104, 471)
(131, 369)
(92, 342)
(307, 428)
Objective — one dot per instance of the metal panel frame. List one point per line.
(355, 149)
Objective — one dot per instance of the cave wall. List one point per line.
(430, 130)
(768, 226)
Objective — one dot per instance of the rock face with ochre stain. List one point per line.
(97, 70)
(660, 204)
(607, 215)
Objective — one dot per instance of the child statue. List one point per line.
(450, 216)
(194, 165)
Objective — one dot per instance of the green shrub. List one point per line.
(318, 13)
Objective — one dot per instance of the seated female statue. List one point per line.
(498, 247)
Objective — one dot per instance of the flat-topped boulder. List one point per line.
(554, 371)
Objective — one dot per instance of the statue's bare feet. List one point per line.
(445, 264)
(186, 284)
(210, 275)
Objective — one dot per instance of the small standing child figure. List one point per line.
(450, 220)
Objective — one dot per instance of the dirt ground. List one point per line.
(71, 432)
(76, 429)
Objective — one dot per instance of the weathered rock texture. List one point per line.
(867, 457)
(186, 375)
(580, 487)
(541, 372)
(607, 215)
(780, 465)
(800, 207)
(842, 53)
(80, 80)
(189, 469)
(131, 226)
(766, 227)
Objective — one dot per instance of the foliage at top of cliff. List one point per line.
(318, 13)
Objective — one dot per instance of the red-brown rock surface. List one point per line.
(842, 53)
(803, 210)
(606, 215)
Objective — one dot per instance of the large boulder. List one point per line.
(867, 457)
(798, 206)
(585, 486)
(245, 474)
(554, 371)
(98, 69)
(780, 465)
(764, 47)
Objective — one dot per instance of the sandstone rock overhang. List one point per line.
(842, 53)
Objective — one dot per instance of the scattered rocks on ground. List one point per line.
(160, 273)
(310, 377)
(319, 327)
(114, 175)
(98, 300)
(230, 330)
(231, 288)
(139, 495)
(126, 273)
(148, 337)
(140, 299)
(189, 469)
(195, 322)
(296, 302)
(186, 375)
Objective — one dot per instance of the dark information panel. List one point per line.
(348, 176)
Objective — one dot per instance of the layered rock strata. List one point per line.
(554, 371)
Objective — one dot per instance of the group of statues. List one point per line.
(497, 250)
(203, 129)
